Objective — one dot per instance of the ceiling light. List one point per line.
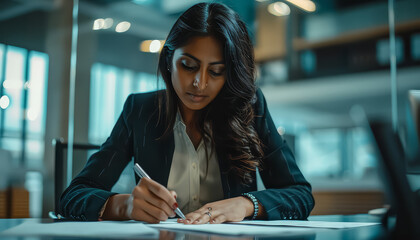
(31, 115)
(154, 46)
(108, 22)
(9, 84)
(306, 5)
(151, 45)
(4, 102)
(279, 9)
(122, 27)
(98, 24)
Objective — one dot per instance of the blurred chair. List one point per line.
(60, 174)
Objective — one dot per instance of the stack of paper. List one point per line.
(234, 229)
(260, 228)
(308, 224)
(105, 229)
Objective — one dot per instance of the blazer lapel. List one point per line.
(155, 155)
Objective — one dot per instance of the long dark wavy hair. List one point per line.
(230, 115)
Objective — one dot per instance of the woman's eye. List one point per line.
(216, 73)
(187, 66)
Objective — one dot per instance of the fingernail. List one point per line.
(197, 221)
(175, 206)
(187, 220)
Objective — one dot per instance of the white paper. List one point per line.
(103, 229)
(233, 229)
(308, 224)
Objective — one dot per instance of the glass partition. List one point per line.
(31, 49)
(407, 82)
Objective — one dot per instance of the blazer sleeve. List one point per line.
(287, 195)
(91, 188)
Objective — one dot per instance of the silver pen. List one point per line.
(141, 173)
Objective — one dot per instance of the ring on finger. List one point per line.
(209, 214)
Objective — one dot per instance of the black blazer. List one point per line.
(288, 194)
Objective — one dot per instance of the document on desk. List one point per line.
(103, 229)
(307, 224)
(232, 229)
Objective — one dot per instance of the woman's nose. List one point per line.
(200, 81)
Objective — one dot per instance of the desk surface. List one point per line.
(360, 233)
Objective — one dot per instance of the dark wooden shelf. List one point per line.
(300, 44)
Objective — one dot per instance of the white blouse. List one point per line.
(187, 176)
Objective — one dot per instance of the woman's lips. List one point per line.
(196, 97)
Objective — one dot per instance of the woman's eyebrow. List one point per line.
(198, 60)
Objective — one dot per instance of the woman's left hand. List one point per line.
(228, 210)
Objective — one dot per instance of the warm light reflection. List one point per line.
(306, 5)
(4, 102)
(279, 9)
(152, 46)
(122, 27)
(98, 24)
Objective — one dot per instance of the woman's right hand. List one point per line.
(151, 202)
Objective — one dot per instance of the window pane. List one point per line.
(319, 152)
(13, 85)
(365, 160)
(37, 88)
(2, 50)
(110, 87)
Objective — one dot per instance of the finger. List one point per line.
(143, 192)
(139, 214)
(218, 219)
(153, 211)
(192, 217)
(204, 218)
(156, 212)
(160, 204)
(173, 193)
(160, 191)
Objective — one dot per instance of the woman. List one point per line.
(203, 138)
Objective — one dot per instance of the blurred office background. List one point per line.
(66, 68)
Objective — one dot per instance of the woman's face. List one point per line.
(198, 72)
